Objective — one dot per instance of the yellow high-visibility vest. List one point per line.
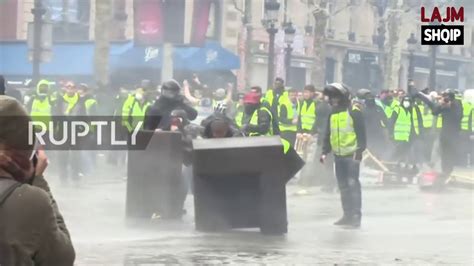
(343, 138)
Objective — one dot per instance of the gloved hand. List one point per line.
(322, 159)
(358, 156)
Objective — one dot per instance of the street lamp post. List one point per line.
(411, 45)
(432, 81)
(289, 37)
(38, 11)
(271, 17)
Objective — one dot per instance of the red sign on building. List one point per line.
(8, 19)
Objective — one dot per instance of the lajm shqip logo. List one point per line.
(434, 32)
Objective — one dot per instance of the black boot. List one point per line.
(353, 221)
(344, 220)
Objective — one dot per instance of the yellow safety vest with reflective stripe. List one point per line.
(71, 102)
(466, 114)
(308, 115)
(427, 116)
(343, 138)
(254, 122)
(88, 104)
(390, 109)
(402, 128)
(137, 114)
(126, 109)
(239, 115)
(269, 97)
(415, 121)
(41, 111)
(290, 114)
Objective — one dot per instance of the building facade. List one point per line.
(354, 53)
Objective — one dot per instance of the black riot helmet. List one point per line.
(339, 91)
(364, 94)
(170, 89)
(179, 113)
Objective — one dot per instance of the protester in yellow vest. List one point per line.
(69, 99)
(273, 98)
(345, 137)
(389, 103)
(70, 162)
(307, 115)
(256, 120)
(288, 114)
(405, 125)
(466, 147)
(87, 101)
(41, 106)
(134, 109)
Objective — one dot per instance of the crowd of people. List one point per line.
(395, 126)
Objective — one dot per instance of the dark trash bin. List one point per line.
(241, 183)
(155, 184)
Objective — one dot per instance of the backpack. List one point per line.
(7, 186)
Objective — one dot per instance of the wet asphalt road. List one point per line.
(400, 226)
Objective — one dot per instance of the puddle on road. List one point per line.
(205, 257)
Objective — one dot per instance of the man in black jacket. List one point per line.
(450, 111)
(158, 116)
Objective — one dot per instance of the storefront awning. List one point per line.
(67, 59)
(210, 57)
(77, 59)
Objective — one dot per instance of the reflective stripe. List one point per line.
(308, 115)
(402, 129)
(342, 136)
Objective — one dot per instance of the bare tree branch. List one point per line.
(237, 7)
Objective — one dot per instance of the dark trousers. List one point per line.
(69, 164)
(427, 145)
(465, 149)
(449, 156)
(347, 175)
(403, 152)
(289, 136)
